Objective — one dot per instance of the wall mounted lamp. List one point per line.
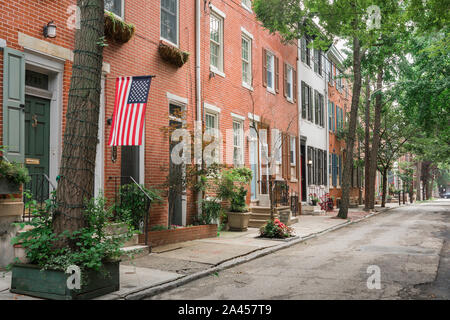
(50, 30)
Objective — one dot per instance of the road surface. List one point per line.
(403, 253)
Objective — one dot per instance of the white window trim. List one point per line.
(250, 58)
(293, 164)
(217, 11)
(248, 34)
(238, 119)
(221, 16)
(254, 117)
(122, 13)
(178, 26)
(291, 98)
(271, 89)
(176, 99)
(211, 108)
(246, 7)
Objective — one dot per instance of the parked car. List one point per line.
(446, 195)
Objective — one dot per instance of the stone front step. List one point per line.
(133, 252)
(257, 223)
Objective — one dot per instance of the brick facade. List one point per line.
(140, 56)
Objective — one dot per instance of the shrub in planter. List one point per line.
(12, 175)
(173, 55)
(92, 250)
(232, 187)
(211, 211)
(133, 204)
(118, 30)
(275, 229)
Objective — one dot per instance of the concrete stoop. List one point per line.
(312, 210)
(133, 252)
(260, 215)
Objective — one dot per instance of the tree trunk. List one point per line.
(375, 139)
(348, 161)
(367, 147)
(76, 177)
(383, 197)
(418, 179)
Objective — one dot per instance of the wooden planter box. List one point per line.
(159, 238)
(28, 279)
(7, 187)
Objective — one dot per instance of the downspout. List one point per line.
(327, 132)
(198, 86)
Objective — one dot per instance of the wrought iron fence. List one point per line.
(38, 189)
(294, 204)
(120, 181)
(280, 193)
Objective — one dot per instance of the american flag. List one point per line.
(129, 111)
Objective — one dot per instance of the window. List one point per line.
(114, 6)
(330, 119)
(289, 82)
(321, 110)
(270, 71)
(278, 147)
(324, 181)
(318, 61)
(292, 154)
(339, 80)
(169, 20)
(246, 61)
(316, 107)
(305, 51)
(333, 115)
(216, 42)
(211, 128)
(247, 4)
(307, 101)
(238, 154)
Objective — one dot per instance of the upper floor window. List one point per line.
(216, 42)
(115, 6)
(212, 128)
(246, 60)
(289, 82)
(169, 20)
(305, 51)
(270, 71)
(292, 148)
(307, 101)
(247, 4)
(339, 80)
(318, 61)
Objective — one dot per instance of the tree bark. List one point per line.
(418, 179)
(76, 177)
(383, 197)
(367, 147)
(348, 161)
(375, 139)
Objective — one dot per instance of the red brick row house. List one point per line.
(237, 78)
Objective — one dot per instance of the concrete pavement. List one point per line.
(176, 264)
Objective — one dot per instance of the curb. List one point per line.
(146, 292)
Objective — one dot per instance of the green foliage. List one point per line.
(211, 211)
(90, 246)
(133, 203)
(232, 186)
(160, 227)
(13, 172)
(275, 229)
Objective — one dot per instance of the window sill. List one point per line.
(216, 71)
(291, 100)
(169, 42)
(117, 16)
(247, 86)
(272, 91)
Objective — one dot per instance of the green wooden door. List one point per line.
(37, 136)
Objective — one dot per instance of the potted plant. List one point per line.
(232, 187)
(118, 30)
(12, 176)
(314, 198)
(172, 54)
(90, 249)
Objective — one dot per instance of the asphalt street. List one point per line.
(403, 253)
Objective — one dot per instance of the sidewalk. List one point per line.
(172, 265)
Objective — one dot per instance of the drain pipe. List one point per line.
(198, 94)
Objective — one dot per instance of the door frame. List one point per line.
(54, 68)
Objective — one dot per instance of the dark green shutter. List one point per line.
(13, 104)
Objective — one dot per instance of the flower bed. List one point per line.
(162, 237)
(275, 229)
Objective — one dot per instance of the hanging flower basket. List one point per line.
(173, 55)
(117, 30)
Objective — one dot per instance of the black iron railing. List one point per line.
(120, 181)
(38, 189)
(294, 204)
(280, 193)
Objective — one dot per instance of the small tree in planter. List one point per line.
(232, 187)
